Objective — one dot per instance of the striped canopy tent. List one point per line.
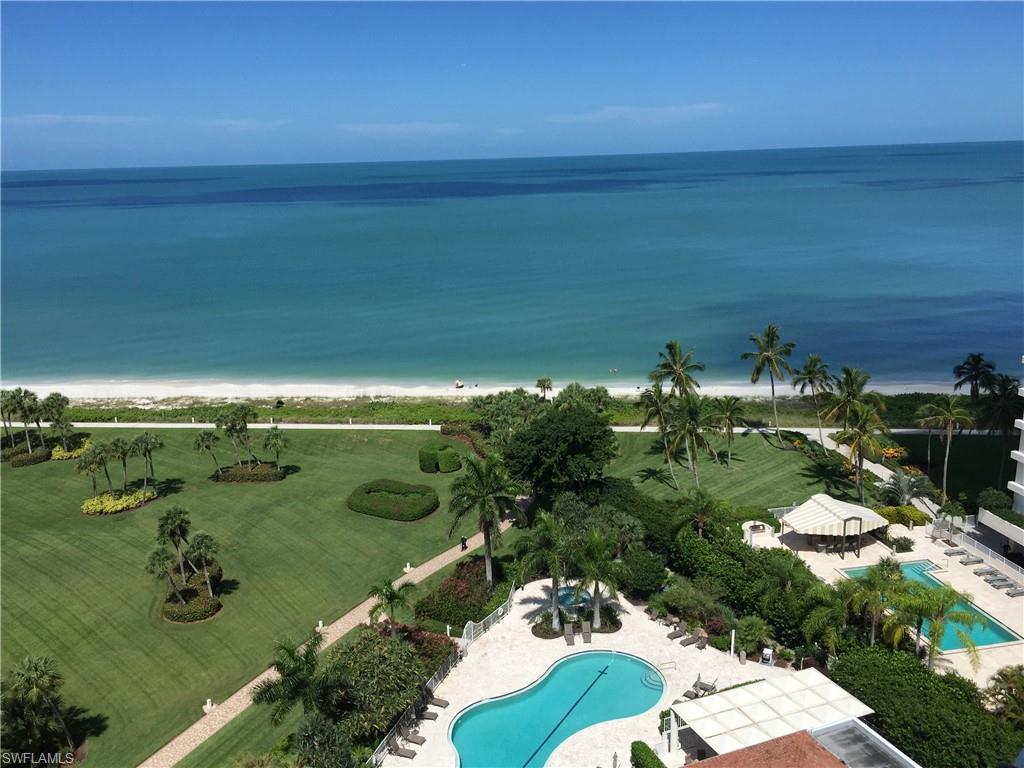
(821, 515)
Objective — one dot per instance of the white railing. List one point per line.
(778, 512)
(474, 629)
(991, 556)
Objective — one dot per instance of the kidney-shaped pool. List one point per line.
(523, 728)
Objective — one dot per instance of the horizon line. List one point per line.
(513, 157)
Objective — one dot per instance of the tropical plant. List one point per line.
(703, 511)
(860, 435)
(827, 614)
(161, 564)
(677, 368)
(206, 441)
(144, 445)
(947, 414)
(752, 633)
(876, 590)
(90, 463)
(595, 560)
(944, 611)
(846, 391)
(7, 408)
(655, 403)
(1005, 694)
(321, 742)
(546, 547)
(234, 422)
(999, 409)
(727, 416)
(172, 528)
(545, 385)
(688, 422)
(275, 440)
(771, 354)
(974, 372)
(301, 680)
(121, 450)
(203, 549)
(389, 599)
(53, 406)
(26, 404)
(814, 375)
(901, 488)
(909, 609)
(33, 690)
(487, 491)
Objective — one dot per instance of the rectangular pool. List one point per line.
(991, 633)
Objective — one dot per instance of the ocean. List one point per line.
(896, 259)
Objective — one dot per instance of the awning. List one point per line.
(821, 515)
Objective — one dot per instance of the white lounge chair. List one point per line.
(985, 571)
(955, 552)
(971, 560)
(1015, 592)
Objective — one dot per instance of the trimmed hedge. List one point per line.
(107, 504)
(198, 607)
(643, 573)
(904, 515)
(37, 456)
(9, 453)
(448, 460)
(437, 456)
(428, 457)
(642, 756)
(393, 500)
(257, 473)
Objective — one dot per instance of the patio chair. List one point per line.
(971, 560)
(1015, 592)
(702, 643)
(954, 552)
(585, 631)
(675, 634)
(412, 738)
(705, 688)
(398, 751)
(689, 640)
(690, 694)
(1002, 583)
(985, 571)
(426, 714)
(432, 700)
(567, 633)
(997, 576)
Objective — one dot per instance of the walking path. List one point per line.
(226, 711)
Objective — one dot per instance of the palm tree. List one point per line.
(595, 559)
(688, 421)
(36, 684)
(53, 406)
(62, 427)
(301, 680)
(876, 590)
(26, 404)
(826, 620)
(161, 565)
(7, 408)
(702, 509)
(846, 391)
(545, 385)
(1005, 694)
(859, 434)
(677, 368)
(945, 608)
(203, 548)
(814, 375)
(389, 599)
(975, 371)
(207, 441)
(546, 547)
(101, 451)
(770, 354)
(999, 409)
(727, 415)
(948, 414)
(144, 445)
(902, 488)
(172, 528)
(910, 608)
(655, 402)
(753, 632)
(275, 440)
(121, 450)
(89, 463)
(487, 490)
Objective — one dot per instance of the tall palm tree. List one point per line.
(206, 441)
(863, 425)
(655, 403)
(976, 372)
(302, 680)
(101, 452)
(26, 405)
(88, 464)
(1000, 407)
(172, 528)
(60, 426)
(910, 609)
(545, 385)
(727, 415)
(121, 450)
(876, 590)
(36, 685)
(389, 599)
(7, 407)
(546, 547)
(827, 616)
(848, 389)
(203, 548)
(771, 354)
(486, 490)
(702, 510)
(144, 446)
(275, 440)
(161, 564)
(595, 559)
(677, 368)
(53, 406)
(944, 610)
(902, 488)
(814, 375)
(688, 424)
(949, 415)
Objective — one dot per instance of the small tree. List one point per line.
(545, 385)
(275, 440)
(31, 696)
(546, 547)
(205, 442)
(61, 427)
(771, 354)
(727, 416)
(203, 548)
(161, 564)
(486, 491)
(595, 559)
(752, 633)
(302, 679)
(389, 599)
(949, 415)
(172, 528)
(814, 376)
(121, 450)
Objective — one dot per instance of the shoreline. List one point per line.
(154, 392)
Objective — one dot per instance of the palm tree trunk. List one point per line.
(919, 627)
(64, 440)
(874, 624)
(181, 562)
(28, 441)
(487, 555)
(277, 456)
(860, 472)
(7, 432)
(216, 464)
(596, 603)
(696, 471)
(556, 619)
(928, 470)
(124, 470)
(39, 429)
(63, 725)
(945, 463)
(175, 588)
(775, 407)
(817, 412)
(152, 470)
(728, 443)
(92, 476)
(668, 460)
(110, 483)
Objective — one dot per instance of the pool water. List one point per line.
(567, 597)
(989, 633)
(523, 728)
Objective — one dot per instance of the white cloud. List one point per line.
(48, 119)
(401, 130)
(674, 113)
(244, 124)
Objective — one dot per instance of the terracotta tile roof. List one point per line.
(797, 750)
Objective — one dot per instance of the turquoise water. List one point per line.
(567, 597)
(524, 728)
(990, 633)
(895, 259)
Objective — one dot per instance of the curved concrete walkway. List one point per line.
(240, 700)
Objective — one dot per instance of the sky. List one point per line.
(89, 85)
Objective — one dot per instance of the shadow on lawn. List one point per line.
(166, 487)
(82, 724)
(227, 587)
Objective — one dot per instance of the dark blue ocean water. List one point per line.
(898, 259)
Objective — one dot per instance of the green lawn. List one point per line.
(973, 460)
(761, 476)
(75, 588)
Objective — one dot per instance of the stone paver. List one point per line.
(234, 705)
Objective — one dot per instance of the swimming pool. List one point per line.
(990, 633)
(522, 729)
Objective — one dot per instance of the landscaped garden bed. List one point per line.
(199, 604)
(265, 472)
(115, 503)
(393, 500)
(464, 596)
(439, 456)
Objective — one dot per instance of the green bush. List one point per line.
(244, 473)
(469, 433)
(642, 756)
(59, 454)
(720, 643)
(38, 456)
(393, 500)
(643, 573)
(428, 456)
(9, 453)
(107, 504)
(198, 606)
(994, 500)
(448, 460)
(905, 515)
(463, 596)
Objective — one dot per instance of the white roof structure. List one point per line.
(822, 515)
(748, 715)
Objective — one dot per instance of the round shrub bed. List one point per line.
(257, 473)
(393, 500)
(108, 504)
(198, 607)
(38, 456)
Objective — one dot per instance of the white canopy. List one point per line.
(742, 717)
(824, 516)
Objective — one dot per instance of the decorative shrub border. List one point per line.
(266, 472)
(38, 456)
(393, 500)
(108, 504)
(438, 456)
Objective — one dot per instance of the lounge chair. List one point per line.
(703, 687)
(689, 640)
(675, 634)
(986, 571)
(398, 751)
(971, 560)
(1002, 584)
(426, 714)
(432, 700)
(585, 631)
(690, 694)
(955, 552)
(1015, 592)
(997, 576)
(412, 738)
(570, 638)
(702, 643)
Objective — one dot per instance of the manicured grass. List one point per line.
(75, 587)
(762, 475)
(973, 460)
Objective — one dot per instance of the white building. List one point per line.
(1016, 485)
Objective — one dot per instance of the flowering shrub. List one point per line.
(911, 469)
(903, 515)
(461, 597)
(59, 454)
(432, 648)
(895, 453)
(108, 504)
